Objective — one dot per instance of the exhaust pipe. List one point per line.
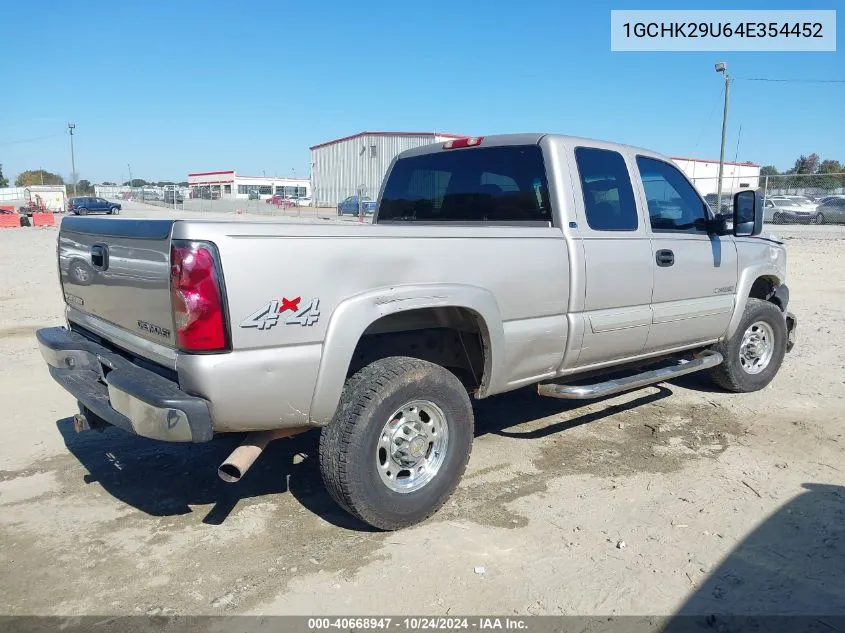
(235, 467)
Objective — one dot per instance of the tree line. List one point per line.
(83, 187)
(808, 171)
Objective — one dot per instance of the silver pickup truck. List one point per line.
(491, 264)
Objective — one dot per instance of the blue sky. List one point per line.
(176, 87)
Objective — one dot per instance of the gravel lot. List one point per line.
(672, 499)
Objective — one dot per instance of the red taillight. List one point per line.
(463, 142)
(195, 295)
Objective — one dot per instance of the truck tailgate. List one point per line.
(119, 271)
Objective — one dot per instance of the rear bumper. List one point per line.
(123, 394)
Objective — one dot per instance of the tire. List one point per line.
(80, 273)
(819, 219)
(114, 211)
(378, 406)
(777, 218)
(736, 373)
(82, 211)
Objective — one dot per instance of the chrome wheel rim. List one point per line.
(412, 446)
(757, 347)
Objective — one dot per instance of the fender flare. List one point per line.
(746, 281)
(352, 317)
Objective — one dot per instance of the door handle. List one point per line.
(100, 256)
(665, 257)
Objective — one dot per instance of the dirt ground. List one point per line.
(674, 499)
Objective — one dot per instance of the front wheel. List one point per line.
(753, 355)
(114, 211)
(399, 442)
(819, 219)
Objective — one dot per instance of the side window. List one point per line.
(606, 185)
(673, 203)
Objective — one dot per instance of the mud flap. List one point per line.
(791, 327)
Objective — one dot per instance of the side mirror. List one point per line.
(720, 224)
(748, 213)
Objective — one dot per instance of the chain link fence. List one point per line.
(788, 199)
(285, 202)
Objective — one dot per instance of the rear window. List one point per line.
(493, 184)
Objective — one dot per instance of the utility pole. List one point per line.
(722, 67)
(70, 127)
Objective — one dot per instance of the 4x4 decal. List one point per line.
(269, 314)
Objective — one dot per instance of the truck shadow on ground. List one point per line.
(166, 479)
(792, 564)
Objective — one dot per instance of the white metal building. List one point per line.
(229, 184)
(705, 174)
(340, 166)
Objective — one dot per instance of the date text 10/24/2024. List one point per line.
(419, 624)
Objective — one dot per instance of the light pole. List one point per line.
(722, 67)
(70, 128)
(129, 167)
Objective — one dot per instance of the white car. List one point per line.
(780, 210)
(803, 201)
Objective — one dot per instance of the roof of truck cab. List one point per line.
(498, 140)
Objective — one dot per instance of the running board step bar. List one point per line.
(704, 360)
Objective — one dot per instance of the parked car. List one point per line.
(584, 270)
(727, 202)
(831, 212)
(803, 201)
(780, 210)
(302, 201)
(280, 200)
(86, 205)
(173, 196)
(827, 199)
(253, 195)
(350, 206)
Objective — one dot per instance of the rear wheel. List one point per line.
(753, 355)
(819, 219)
(399, 442)
(81, 211)
(777, 218)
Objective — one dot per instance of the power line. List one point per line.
(794, 81)
(709, 117)
(30, 140)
